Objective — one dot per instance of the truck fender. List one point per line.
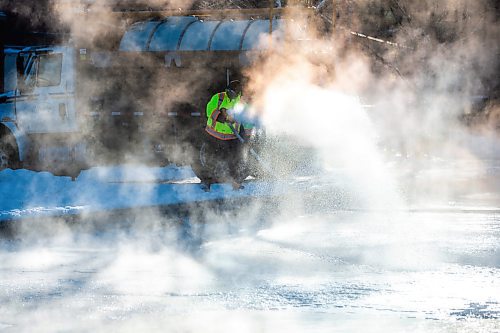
(18, 136)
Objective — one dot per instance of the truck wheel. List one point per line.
(8, 156)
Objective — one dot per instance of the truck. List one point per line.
(67, 107)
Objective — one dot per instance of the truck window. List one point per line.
(49, 70)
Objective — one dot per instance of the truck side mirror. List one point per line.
(21, 84)
(20, 66)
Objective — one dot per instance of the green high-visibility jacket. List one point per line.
(217, 129)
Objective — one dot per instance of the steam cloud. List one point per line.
(317, 94)
(419, 93)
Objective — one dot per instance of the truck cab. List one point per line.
(44, 97)
(38, 123)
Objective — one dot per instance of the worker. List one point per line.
(223, 146)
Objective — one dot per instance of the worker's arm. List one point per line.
(212, 105)
(212, 110)
(225, 116)
(220, 115)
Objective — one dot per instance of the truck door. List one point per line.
(45, 103)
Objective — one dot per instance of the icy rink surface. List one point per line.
(306, 267)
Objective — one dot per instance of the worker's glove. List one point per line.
(223, 115)
(226, 116)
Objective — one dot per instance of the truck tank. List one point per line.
(183, 61)
(195, 53)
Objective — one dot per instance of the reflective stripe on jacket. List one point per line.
(217, 129)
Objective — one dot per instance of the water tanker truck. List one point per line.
(67, 107)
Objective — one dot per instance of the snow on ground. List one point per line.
(28, 194)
